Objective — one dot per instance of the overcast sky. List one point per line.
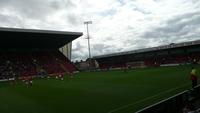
(118, 25)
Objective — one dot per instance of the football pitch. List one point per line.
(96, 92)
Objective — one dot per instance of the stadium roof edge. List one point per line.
(39, 31)
(172, 45)
(18, 38)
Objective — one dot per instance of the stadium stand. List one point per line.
(26, 52)
(172, 54)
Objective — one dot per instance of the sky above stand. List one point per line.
(117, 25)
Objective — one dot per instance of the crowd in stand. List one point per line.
(151, 62)
(20, 64)
(173, 60)
(7, 70)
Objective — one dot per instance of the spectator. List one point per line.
(193, 77)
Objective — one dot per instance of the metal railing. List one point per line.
(173, 104)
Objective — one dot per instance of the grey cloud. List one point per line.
(70, 16)
(137, 43)
(178, 18)
(10, 20)
(73, 19)
(79, 55)
(122, 2)
(175, 29)
(141, 10)
(27, 8)
(35, 9)
(100, 49)
(111, 49)
(194, 1)
(79, 52)
(22, 13)
(78, 47)
(109, 38)
(59, 4)
(109, 12)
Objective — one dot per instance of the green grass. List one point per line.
(96, 92)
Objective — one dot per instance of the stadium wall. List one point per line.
(67, 50)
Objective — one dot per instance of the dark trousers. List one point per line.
(194, 83)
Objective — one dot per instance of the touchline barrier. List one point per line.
(174, 104)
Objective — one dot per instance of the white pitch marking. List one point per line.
(125, 106)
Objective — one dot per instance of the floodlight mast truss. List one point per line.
(88, 37)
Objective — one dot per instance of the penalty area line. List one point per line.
(128, 105)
